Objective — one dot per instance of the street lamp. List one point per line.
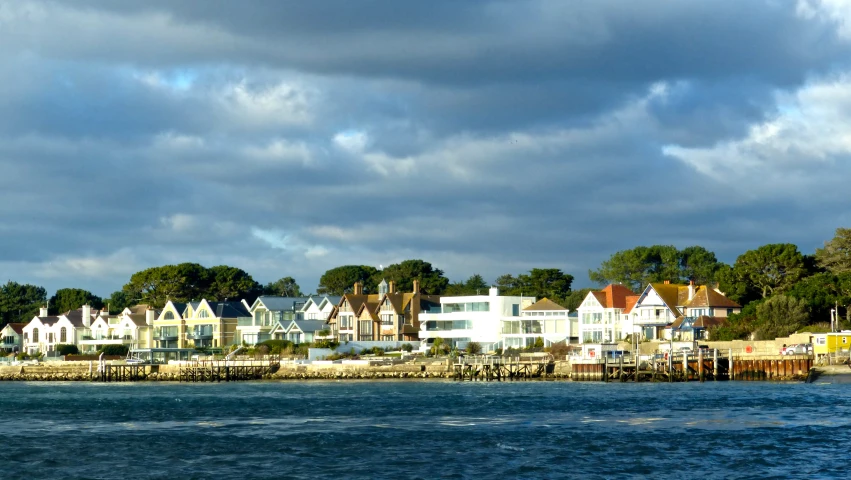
(832, 319)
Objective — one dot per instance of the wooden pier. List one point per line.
(123, 373)
(489, 368)
(225, 371)
(702, 366)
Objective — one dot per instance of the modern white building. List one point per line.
(603, 315)
(473, 318)
(44, 331)
(544, 319)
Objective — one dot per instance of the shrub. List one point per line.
(474, 348)
(275, 347)
(378, 351)
(120, 350)
(326, 344)
(64, 349)
(559, 350)
(407, 347)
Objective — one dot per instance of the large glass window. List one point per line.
(203, 314)
(35, 335)
(441, 325)
(594, 336)
(63, 335)
(466, 307)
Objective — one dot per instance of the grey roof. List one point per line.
(283, 303)
(332, 299)
(308, 325)
(225, 309)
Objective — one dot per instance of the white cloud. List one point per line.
(837, 12)
(806, 143)
(352, 141)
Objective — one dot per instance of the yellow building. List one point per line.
(834, 342)
(201, 324)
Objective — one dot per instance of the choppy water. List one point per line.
(424, 430)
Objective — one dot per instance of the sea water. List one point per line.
(424, 429)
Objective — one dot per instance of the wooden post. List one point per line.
(715, 364)
(606, 369)
(620, 368)
(731, 372)
(685, 367)
(700, 365)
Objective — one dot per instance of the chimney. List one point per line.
(493, 292)
(690, 289)
(87, 316)
(42, 312)
(149, 316)
(416, 288)
(667, 282)
(391, 287)
(357, 289)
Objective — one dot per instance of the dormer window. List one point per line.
(203, 314)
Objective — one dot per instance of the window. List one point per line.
(168, 316)
(365, 333)
(35, 335)
(821, 341)
(203, 314)
(387, 319)
(63, 335)
(440, 325)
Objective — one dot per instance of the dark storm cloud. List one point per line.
(487, 137)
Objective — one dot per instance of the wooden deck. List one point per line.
(489, 368)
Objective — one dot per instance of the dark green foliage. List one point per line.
(835, 257)
(551, 283)
(120, 350)
(474, 348)
(20, 303)
(780, 316)
(739, 326)
(475, 285)
(67, 299)
(118, 301)
(574, 300)
(276, 346)
(283, 287)
(770, 269)
(340, 280)
(823, 292)
(189, 281)
(403, 274)
(637, 267)
(67, 349)
(407, 347)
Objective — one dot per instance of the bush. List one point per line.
(378, 351)
(559, 350)
(64, 349)
(332, 344)
(474, 348)
(276, 347)
(407, 347)
(120, 350)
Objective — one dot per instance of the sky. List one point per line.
(490, 137)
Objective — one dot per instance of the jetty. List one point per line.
(498, 368)
(704, 365)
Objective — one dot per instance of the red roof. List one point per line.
(616, 296)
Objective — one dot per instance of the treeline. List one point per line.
(781, 289)
(190, 281)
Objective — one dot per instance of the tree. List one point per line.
(771, 268)
(836, 254)
(404, 273)
(538, 283)
(231, 283)
(284, 287)
(180, 283)
(699, 264)
(822, 292)
(340, 280)
(475, 285)
(118, 301)
(66, 299)
(20, 302)
(780, 316)
(639, 266)
(734, 286)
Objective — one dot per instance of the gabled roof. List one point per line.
(332, 299)
(703, 321)
(307, 325)
(708, 297)
(224, 309)
(613, 296)
(138, 319)
(17, 327)
(371, 307)
(544, 304)
(669, 294)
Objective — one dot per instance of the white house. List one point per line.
(132, 327)
(544, 319)
(319, 308)
(473, 318)
(44, 331)
(12, 337)
(661, 304)
(602, 315)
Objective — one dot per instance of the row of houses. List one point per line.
(662, 311)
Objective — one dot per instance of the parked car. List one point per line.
(799, 349)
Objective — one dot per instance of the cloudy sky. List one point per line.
(490, 137)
